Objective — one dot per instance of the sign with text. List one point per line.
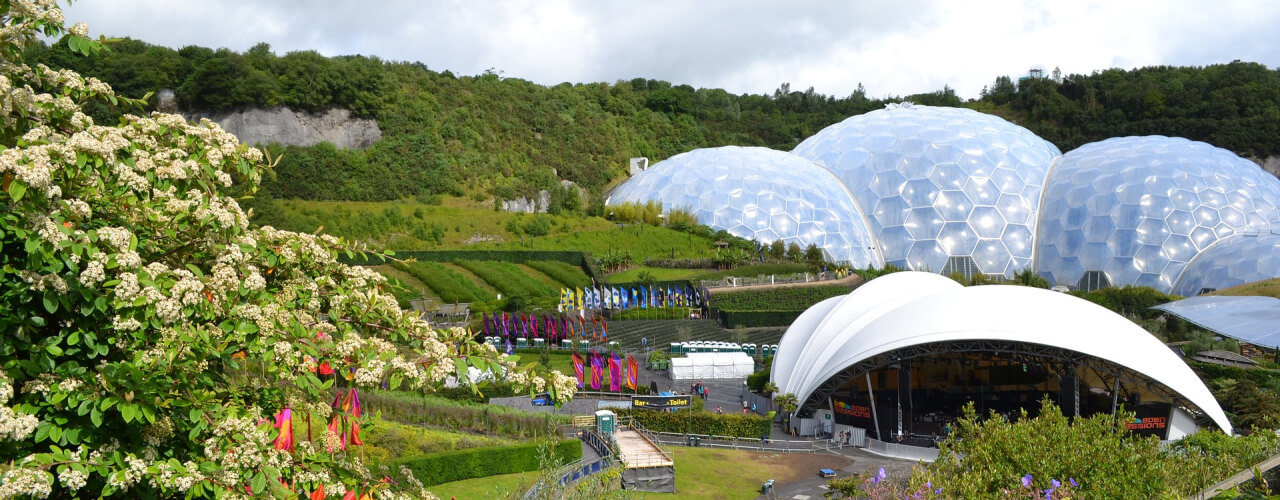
(1151, 420)
(660, 402)
(856, 413)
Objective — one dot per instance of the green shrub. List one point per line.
(796, 298)
(748, 319)
(583, 259)
(508, 279)
(449, 466)
(566, 274)
(448, 284)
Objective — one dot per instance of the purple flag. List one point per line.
(615, 372)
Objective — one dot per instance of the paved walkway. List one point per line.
(815, 486)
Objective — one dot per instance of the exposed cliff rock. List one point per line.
(1271, 164)
(285, 126)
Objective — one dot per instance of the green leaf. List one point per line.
(259, 483)
(16, 189)
(42, 432)
(50, 303)
(128, 412)
(95, 416)
(74, 338)
(195, 414)
(54, 349)
(395, 382)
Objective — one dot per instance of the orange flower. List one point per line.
(351, 495)
(325, 369)
(66, 225)
(318, 494)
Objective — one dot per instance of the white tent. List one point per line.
(712, 366)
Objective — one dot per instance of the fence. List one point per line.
(771, 279)
(901, 450)
(577, 470)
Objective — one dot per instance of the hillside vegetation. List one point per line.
(489, 136)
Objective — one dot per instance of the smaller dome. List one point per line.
(761, 194)
(1240, 259)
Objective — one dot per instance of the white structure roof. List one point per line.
(913, 308)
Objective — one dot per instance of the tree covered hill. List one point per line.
(487, 136)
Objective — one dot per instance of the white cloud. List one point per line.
(899, 48)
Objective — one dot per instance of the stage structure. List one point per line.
(900, 356)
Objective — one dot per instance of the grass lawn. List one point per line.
(1265, 288)
(659, 273)
(500, 486)
(727, 474)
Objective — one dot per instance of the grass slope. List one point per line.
(500, 486)
(1266, 288)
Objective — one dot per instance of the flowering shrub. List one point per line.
(152, 344)
(878, 486)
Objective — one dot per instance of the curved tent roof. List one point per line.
(907, 309)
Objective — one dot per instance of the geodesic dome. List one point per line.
(946, 189)
(1240, 259)
(1136, 210)
(761, 194)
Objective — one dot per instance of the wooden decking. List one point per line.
(635, 450)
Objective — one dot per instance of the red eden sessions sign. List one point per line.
(855, 414)
(1146, 423)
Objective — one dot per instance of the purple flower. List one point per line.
(879, 476)
(1048, 494)
(938, 491)
(1026, 481)
(1055, 483)
(1073, 481)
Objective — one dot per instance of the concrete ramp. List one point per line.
(645, 467)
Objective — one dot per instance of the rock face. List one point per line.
(285, 126)
(527, 205)
(1271, 164)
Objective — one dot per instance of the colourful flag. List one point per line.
(644, 298)
(577, 368)
(580, 297)
(595, 327)
(633, 372)
(615, 372)
(484, 320)
(597, 367)
(604, 329)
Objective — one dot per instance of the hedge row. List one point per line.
(748, 319)
(449, 466)
(582, 259)
(566, 274)
(702, 422)
(449, 285)
(681, 263)
(796, 298)
(508, 279)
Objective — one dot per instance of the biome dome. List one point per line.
(759, 193)
(939, 184)
(1136, 210)
(1237, 260)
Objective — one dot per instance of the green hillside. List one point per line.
(487, 136)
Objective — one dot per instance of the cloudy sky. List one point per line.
(892, 48)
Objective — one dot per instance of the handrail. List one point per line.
(1238, 478)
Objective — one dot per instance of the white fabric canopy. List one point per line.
(912, 308)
